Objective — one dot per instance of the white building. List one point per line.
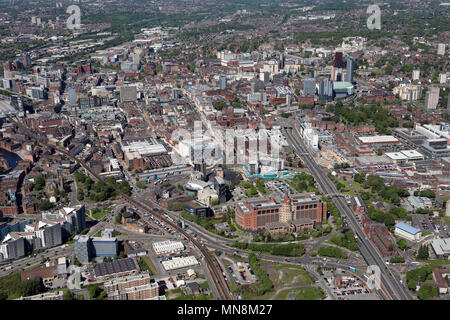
(443, 78)
(432, 98)
(177, 263)
(12, 248)
(167, 247)
(408, 232)
(416, 74)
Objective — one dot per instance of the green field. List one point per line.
(310, 293)
(291, 273)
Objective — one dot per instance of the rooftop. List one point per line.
(407, 228)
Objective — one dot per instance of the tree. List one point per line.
(427, 292)
(68, 295)
(402, 244)
(380, 151)
(412, 284)
(423, 253)
(118, 218)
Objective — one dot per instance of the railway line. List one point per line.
(211, 262)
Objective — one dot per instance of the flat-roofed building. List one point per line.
(179, 262)
(105, 247)
(167, 247)
(370, 140)
(122, 283)
(441, 248)
(144, 292)
(56, 295)
(408, 232)
(397, 157)
(413, 155)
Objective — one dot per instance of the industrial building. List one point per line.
(441, 248)
(167, 247)
(177, 263)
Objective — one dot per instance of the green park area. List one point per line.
(346, 240)
(332, 252)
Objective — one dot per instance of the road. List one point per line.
(389, 284)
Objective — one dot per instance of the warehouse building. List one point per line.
(441, 248)
(177, 263)
(167, 247)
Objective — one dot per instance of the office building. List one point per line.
(83, 248)
(26, 60)
(73, 219)
(105, 247)
(441, 49)
(222, 82)
(254, 214)
(12, 247)
(282, 61)
(326, 90)
(443, 78)
(350, 70)
(432, 98)
(198, 209)
(436, 148)
(415, 75)
(50, 235)
(309, 87)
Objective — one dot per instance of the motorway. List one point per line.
(389, 284)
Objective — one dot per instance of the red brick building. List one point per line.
(254, 214)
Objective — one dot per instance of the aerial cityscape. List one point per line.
(234, 150)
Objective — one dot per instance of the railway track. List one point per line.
(211, 262)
